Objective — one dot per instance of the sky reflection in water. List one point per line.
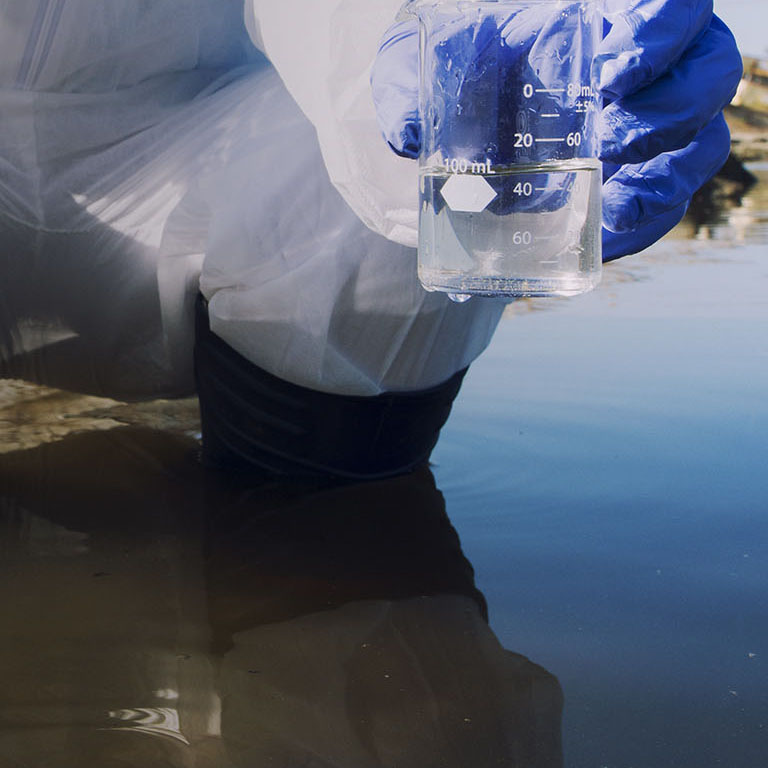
(605, 471)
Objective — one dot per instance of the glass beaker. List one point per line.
(509, 177)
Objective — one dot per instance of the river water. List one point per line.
(580, 580)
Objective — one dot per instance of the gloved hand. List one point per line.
(667, 68)
(477, 97)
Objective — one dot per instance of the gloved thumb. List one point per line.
(395, 88)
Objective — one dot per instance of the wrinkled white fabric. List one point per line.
(143, 142)
(341, 38)
(108, 114)
(301, 287)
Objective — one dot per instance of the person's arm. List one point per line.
(667, 69)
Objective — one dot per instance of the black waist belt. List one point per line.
(252, 419)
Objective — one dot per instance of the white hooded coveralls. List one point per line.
(148, 149)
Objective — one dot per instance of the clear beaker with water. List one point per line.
(509, 176)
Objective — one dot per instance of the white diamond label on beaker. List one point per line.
(466, 192)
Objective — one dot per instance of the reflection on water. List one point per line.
(732, 215)
(604, 468)
(608, 456)
(157, 615)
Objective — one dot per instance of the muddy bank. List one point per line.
(32, 415)
(749, 133)
(749, 143)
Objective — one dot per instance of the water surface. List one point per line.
(580, 580)
(606, 472)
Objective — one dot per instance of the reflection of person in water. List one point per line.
(183, 619)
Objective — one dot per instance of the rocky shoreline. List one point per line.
(749, 144)
(749, 133)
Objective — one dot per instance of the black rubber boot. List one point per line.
(255, 421)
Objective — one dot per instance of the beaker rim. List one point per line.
(414, 7)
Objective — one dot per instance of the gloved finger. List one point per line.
(616, 245)
(646, 40)
(522, 28)
(563, 51)
(395, 88)
(668, 114)
(394, 77)
(480, 71)
(637, 194)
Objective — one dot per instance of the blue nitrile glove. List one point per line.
(667, 68)
(478, 66)
(395, 88)
(515, 46)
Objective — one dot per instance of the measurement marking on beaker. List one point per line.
(554, 115)
(540, 189)
(550, 90)
(580, 91)
(551, 140)
(462, 165)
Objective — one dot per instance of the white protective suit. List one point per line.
(149, 149)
